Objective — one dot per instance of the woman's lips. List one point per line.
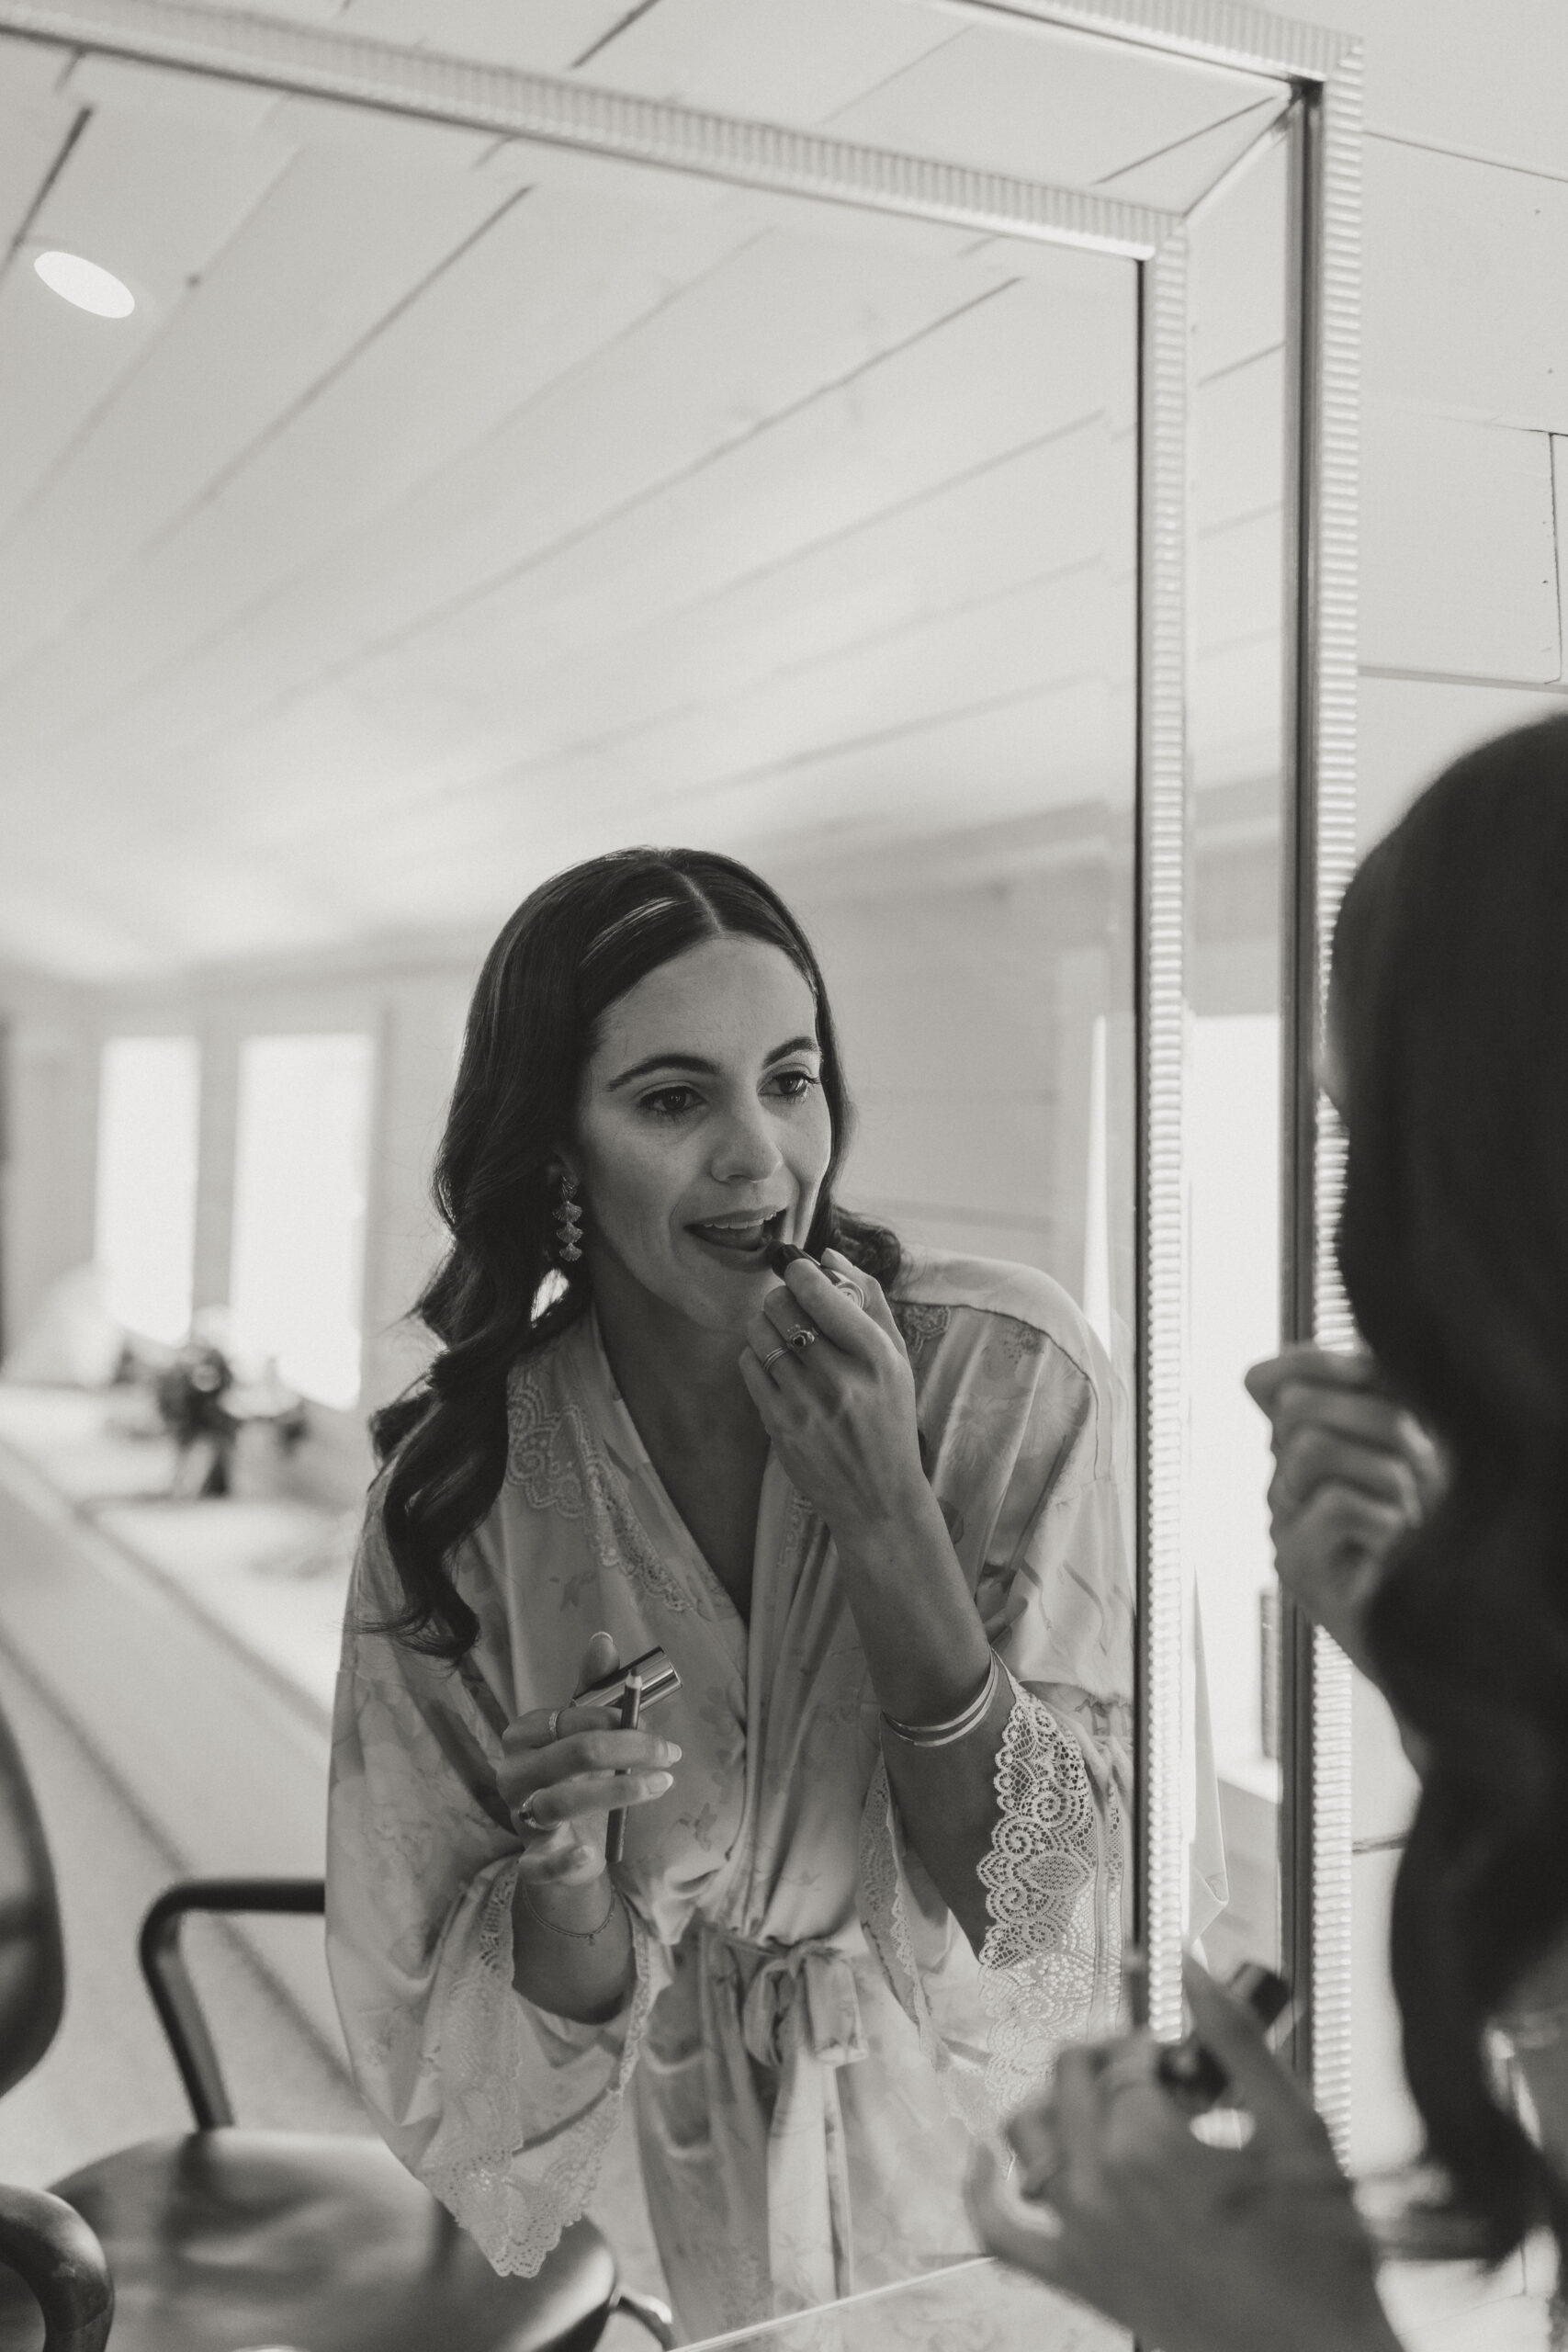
(738, 1236)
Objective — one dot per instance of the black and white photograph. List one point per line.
(783, 1176)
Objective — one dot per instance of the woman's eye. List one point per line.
(794, 1085)
(668, 1101)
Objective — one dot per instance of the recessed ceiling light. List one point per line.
(83, 283)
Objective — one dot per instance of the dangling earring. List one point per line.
(569, 1221)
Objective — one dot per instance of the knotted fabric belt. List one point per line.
(816, 1979)
(800, 2016)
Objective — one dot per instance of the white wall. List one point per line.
(1464, 519)
(1465, 375)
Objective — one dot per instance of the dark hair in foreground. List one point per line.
(574, 946)
(1450, 1003)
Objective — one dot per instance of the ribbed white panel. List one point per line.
(1334, 686)
(1221, 32)
(1164, 916)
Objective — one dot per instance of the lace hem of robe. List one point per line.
(515, 2200)
(1053, 1880)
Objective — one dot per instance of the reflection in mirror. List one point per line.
(449, 514)
(1234, 1118)
(885, 648)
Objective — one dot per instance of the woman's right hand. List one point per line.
(576, 1774)
(1353, 1471)
(1199, 2248)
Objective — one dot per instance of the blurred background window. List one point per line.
(301, 1159)
(148, 1099)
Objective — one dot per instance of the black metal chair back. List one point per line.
(32, 1949)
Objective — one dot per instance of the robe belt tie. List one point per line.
(800, 2016)
(812, 1987)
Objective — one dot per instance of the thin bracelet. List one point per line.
(957, 1727)
(554, 1928)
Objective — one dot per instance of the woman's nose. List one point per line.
(746, 1149)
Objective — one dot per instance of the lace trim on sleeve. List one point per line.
(1053, 1881)
(1053, 1894)
(515, 2167)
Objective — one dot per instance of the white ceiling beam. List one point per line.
(277, 54)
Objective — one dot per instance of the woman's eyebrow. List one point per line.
(704, 1068)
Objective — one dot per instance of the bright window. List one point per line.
(300, 1182)
(148, 1101)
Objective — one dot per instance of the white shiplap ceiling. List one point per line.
(447, 510)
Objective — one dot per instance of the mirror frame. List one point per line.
(1320, 74)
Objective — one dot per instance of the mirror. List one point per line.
(488, 476)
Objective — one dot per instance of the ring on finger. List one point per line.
(773, 1356)
(524, 1816)
(552, 1729)
(803, 1337)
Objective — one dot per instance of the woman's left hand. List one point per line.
(840, 1408)
(1195, 2247)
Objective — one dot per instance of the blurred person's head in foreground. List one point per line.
(1449, 1028)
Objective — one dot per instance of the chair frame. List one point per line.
(47, 2241)
(168, 1979)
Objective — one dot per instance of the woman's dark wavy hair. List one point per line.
(574, 946)
(1449, 1005)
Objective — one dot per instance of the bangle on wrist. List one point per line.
(556, 1926)
(956, 1726)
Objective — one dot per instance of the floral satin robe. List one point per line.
(811, 2040)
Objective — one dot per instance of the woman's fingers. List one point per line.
(1077, 2098)
(1314, 1456)
(759, 1386)
(1036, 2144)
(561, 1801)
(832, 1310)
(539, 1726)
(573, 1765)
(1331, 1367)
(542, 1725)
(1339, 1531)
(596, 1751)
(1028, 2234)
(581, 1754)
(807, 1302)
(781, 1314)
(564, 1856)
(1356, 1413)
(598, 1660)
(1318, 1402)
(1229, 2029)
(876, 1303)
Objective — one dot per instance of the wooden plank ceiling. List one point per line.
(446, 511)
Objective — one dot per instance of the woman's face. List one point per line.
(701, 1131)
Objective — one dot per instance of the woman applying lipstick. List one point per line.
(872, 1854)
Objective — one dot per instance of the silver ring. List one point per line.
(803, 1337)
(773, 1356)
(526, 1817)
(553, 1728)
(850, 1289)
